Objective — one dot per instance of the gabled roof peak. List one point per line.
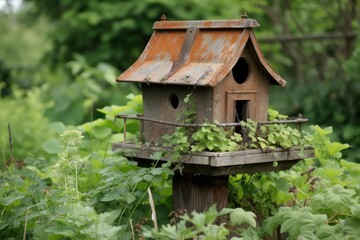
(198, 53)
(206, 24)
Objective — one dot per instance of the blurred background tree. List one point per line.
(76, 49)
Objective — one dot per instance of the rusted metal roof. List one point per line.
(196, 52)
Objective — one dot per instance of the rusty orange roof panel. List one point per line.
(195, 52)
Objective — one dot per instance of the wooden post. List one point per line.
(198, 192)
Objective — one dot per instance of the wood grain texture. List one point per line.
(198, 193)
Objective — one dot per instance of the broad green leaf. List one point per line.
(351, 227)
(101, 231)
(88, 127)
(214, 232)
(129, 197)
(322, 131)
(333, 232)
(58, 127)
(157, 155)
(271, 223)
(334, 148)
(61, 230)
(239, 216)
(111, 196)
(109, 217)
(101, 132)
(3, 225)
(135, 180)
(202, 219)
(317, 201)
(156, 171)
(209, 145)
(339, 199)
(148, 177)
(10, 200)
(282, 185)
(248, 234)
(52, 146)
(355, 210)
(300, 222)
(109, 72)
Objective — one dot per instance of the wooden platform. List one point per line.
(220, 163)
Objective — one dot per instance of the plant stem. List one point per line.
(76, 181)
(25, 225)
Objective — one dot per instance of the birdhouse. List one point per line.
(219, 62)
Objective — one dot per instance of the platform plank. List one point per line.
(218, 159)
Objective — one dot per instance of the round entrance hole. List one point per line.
(174, 100)
(240, 71)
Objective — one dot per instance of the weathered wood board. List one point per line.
(220, 163)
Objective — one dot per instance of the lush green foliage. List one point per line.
(316, 199)
(95, 87)
(84, 191)
(117, 31)
(343, 102)
(211, 137)
(202, 225)
(25, 113)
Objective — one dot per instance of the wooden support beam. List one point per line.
(194, 192)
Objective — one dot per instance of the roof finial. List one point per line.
(163, 17)
(244, 15)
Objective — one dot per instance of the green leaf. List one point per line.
(157, 155)
(10, 200)
(239, 216)
(109, 217)
(156, 171)
(135, 179)
(52, 146)
(322, 131)
(101, 132)
(101, 230)
(129, 197)
(300, 222)
(334, 232)
(58, 127)
(339, 198)
(334, 148)
(282, 185)
(351, 227)
(109, 72)
(213, 232)
(111, 196)
(209, 145)
(61, 230)
(248, 234)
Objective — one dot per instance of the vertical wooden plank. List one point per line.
(198, 193)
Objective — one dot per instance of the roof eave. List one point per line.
(276, 79)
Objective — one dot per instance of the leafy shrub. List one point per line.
(211, 137)
(316, 199)
(86, 191)
(25, 113)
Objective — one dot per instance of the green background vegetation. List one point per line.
(72, 51)
(58, 62)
